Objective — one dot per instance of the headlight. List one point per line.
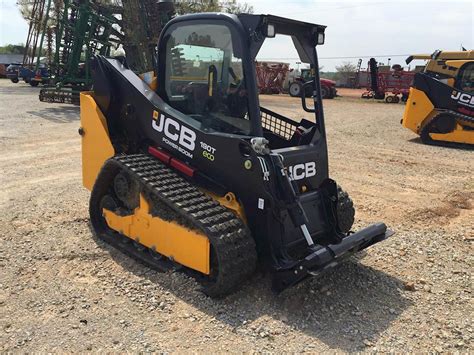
(320, 38)
(270, 30)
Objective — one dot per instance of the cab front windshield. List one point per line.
(204, 77)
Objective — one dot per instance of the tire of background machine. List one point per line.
(379, 96)
(396, 99)
(389, 99)
(34, 83)
(324, 92)
(14, 80)
(345, 211)
(295, 89)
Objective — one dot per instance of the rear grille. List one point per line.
(278, 124)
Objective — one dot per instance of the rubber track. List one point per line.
(466, 121)
(190, 207)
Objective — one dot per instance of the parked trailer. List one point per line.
(16, 72)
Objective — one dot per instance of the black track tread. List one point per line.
(229, 237)
(466, 121)
(463, 120)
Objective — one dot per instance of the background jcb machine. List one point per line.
(196, 173)
(440, 107)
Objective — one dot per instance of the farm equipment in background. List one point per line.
(16, 72)
(328, 87)
(82, 29)
(271, 77)
(440, 107)
(193, 172)
(86, 28)
(392, 84)
(32, 69)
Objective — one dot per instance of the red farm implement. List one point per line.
(271, 76)
(391, 84)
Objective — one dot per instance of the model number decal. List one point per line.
(208, 151)
(301, 171)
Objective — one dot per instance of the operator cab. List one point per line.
(209, 74)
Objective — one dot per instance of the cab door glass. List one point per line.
(204, 78)
(465, 80)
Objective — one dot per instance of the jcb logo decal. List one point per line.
(463, 98)
(174, 130)
(301, 171)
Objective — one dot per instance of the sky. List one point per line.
(355, 29)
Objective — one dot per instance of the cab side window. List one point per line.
(204, 77)
(465, 81)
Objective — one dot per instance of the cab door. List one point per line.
(465, 78)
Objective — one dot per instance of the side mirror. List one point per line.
(303, 96)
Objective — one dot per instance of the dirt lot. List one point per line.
(63, 291)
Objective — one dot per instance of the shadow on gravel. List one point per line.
(59, 114)
(346, 308)
(440, 144)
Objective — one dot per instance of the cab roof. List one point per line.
(283, 25)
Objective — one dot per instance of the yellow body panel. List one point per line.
(457, 63)
(459, 135)
(150, 79)
(418, 108)
(96, 145)
(154, 84)
(187, 247)
(229, 200)
(450, 82)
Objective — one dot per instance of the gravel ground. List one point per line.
(63, 291)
